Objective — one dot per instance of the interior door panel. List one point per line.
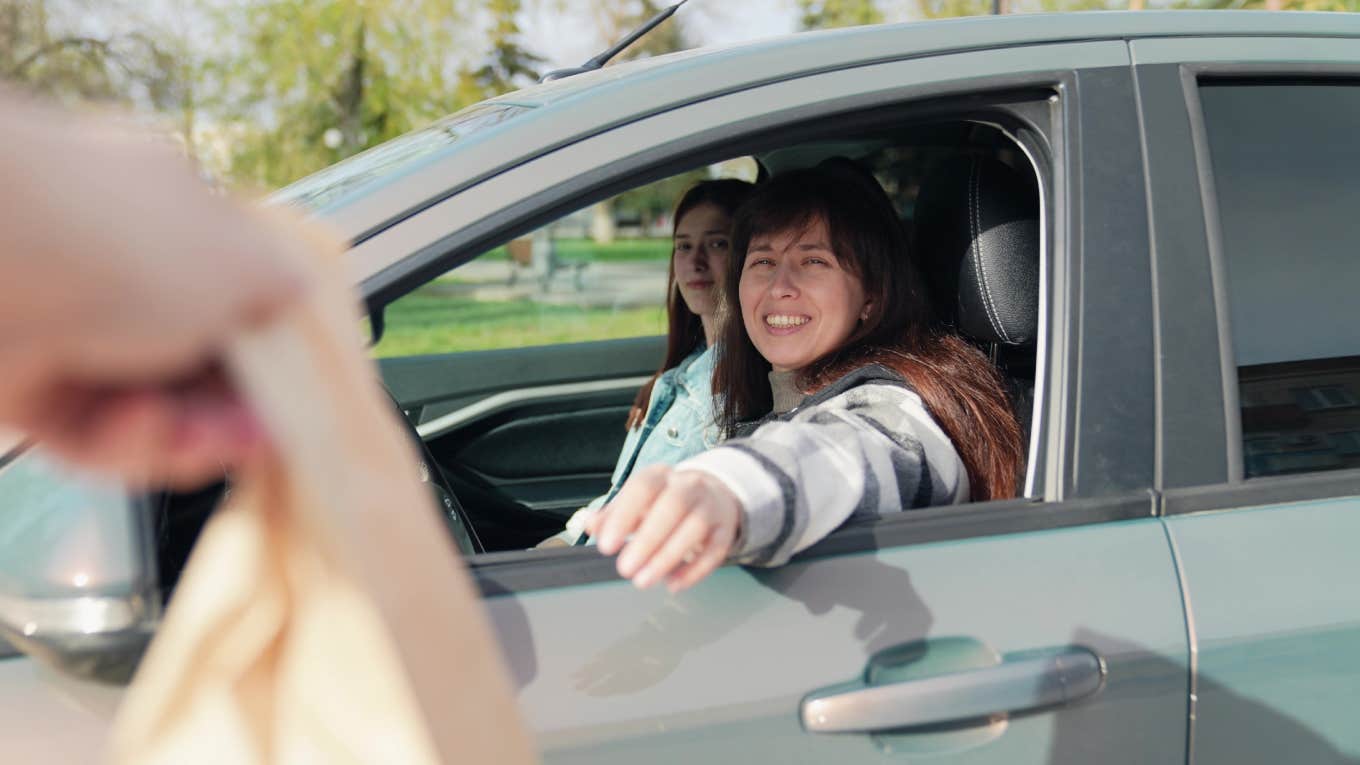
(525, 435)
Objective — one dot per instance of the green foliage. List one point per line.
(649, 202)
(617, 251)
(507, 66)
(46, 47)
(944, 9)
(310, 82)
(829, 14)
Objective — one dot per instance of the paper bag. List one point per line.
(324, 616)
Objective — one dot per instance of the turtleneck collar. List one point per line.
(785, 391)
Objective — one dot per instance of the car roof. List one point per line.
(535, 120)
(766, 59)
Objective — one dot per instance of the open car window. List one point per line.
(598, 273)
(519, 367)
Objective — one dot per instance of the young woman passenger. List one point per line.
(843, 397)
(673, 416)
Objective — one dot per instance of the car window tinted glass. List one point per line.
(1286, 163)
(596, 274)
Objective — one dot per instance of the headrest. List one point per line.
(977, 234)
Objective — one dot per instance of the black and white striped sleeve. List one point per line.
(871, 450)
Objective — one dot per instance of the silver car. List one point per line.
(1162, 210)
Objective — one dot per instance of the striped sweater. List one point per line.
(860, 448)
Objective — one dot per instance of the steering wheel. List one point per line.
(455, 517)
(180, 516)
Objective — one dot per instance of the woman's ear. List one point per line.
(868, 309)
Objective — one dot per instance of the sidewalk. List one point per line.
(626, 284)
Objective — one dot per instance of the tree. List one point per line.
(45, 49)
(311, 82)
(829, 14)
(507, 64)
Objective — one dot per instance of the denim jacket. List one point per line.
(679, 422)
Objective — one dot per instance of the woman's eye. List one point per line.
(717, 244)
(685, 247)
(754, 262)
(815, 261)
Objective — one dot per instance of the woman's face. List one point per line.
(702, 241)
(797, 302)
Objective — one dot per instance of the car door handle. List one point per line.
(1011, 686)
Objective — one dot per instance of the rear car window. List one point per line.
(1286, 166)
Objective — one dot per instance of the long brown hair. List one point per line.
(684, 330)
(959, 386)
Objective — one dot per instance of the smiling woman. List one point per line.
(798, 302)
(840, 368)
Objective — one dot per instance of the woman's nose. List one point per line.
(783, 282)
(701, 258)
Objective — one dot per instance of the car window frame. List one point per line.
(1067, 431)
(1202, 468)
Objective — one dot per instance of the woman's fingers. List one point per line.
(671, 506)
(662, 524)
(686, 540)
(118, 432)
(179, 436)
(622, 516)
(714, 552)
(682, 497)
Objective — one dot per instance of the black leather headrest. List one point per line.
(977, 232)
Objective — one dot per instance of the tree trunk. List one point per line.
(602, 222)
(351, 101)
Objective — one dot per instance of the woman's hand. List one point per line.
(121, 278)
(666, 524)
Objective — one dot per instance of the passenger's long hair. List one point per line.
(959, 386)
(684, 330)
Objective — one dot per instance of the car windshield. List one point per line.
(345, 181)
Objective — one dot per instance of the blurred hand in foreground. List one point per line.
(121, 276)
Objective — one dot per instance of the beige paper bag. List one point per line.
(324, 616)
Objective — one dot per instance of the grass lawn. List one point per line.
(620, 250)
(422, 323)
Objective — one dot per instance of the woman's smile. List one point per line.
(786, 324)
(797, 302)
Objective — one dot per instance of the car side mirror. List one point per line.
(78, 584)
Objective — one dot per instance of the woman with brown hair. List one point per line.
(843, 397)
(674, 414)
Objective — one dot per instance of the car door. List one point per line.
(1254, 171)
(953, 633)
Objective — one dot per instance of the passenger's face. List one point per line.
(702, 240)
(797, 302)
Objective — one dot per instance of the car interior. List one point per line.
(515, 439)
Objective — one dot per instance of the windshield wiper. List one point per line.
(603, 58)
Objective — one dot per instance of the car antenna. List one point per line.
(602, 59)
